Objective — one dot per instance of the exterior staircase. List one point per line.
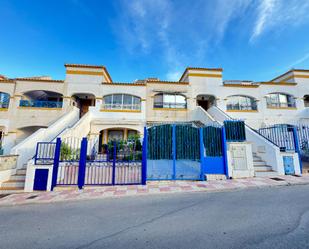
(261, 169)
(16, 183)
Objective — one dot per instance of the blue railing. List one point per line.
(45, 152)
(281, 135)
(4, 105)
(40, 104)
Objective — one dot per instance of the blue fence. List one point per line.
(303, 136)
(77, 162)
(235, 130)
(40, 103)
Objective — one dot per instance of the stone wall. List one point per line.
(8, 162)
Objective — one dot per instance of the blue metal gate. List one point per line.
(214, 153)
(121, 164)
(184, 152)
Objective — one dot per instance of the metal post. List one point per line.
(114, 163)
(174, 150)
(297, 148)
(36, 153)
(202, 156)
(224, 150)
(144, 157)
(82, 163)
(56, 163)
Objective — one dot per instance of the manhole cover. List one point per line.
(32, 197)
(277, 179)
(3, 195)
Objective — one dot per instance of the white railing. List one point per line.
(26, 148)
(135, 107)
(199, 114)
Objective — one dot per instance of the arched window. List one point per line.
(121, 102)
(239, 102)
(41, 99)
(4, 100)
(170, 100)
(280, 100)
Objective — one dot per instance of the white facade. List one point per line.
(39, 102)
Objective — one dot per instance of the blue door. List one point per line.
(288, 165)
(40, 179)
(213, 162)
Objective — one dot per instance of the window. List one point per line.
(239, 102)
(170, 100)
(4, 100)
(280, 100)
(121, 102)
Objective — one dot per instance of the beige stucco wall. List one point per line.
(165, 115)
(200, 82)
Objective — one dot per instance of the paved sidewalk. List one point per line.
(155, 187)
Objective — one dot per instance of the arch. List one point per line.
(41, 98)
(206, 101)
(306, 100)
(4, 100)
(1, 139)
(83, 100)
(115, 133)
(170, 100)
(26, 131)
(25, 93)
(280, 100)
(241, 103)
(121, 101)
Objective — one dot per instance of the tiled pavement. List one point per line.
(72, 193)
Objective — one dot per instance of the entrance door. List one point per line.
(204, 104)
(205, 101)
(83, 101)
(84, 106)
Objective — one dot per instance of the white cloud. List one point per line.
(265, 9)
(278, 15)
(299, 61)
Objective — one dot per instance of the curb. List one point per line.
(84, 198)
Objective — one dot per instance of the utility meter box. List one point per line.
(240, 160)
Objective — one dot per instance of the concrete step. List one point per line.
(21, 171)
(262, 168)
(11, 190)
(13, 184)
(18, 177)
(266, 173)
(259, 163)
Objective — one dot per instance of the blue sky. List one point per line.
(136, 39)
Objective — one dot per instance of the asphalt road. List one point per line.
(256, 218)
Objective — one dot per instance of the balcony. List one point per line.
(121, 107)
(169, 105)
(40, 104)
(4, 105)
